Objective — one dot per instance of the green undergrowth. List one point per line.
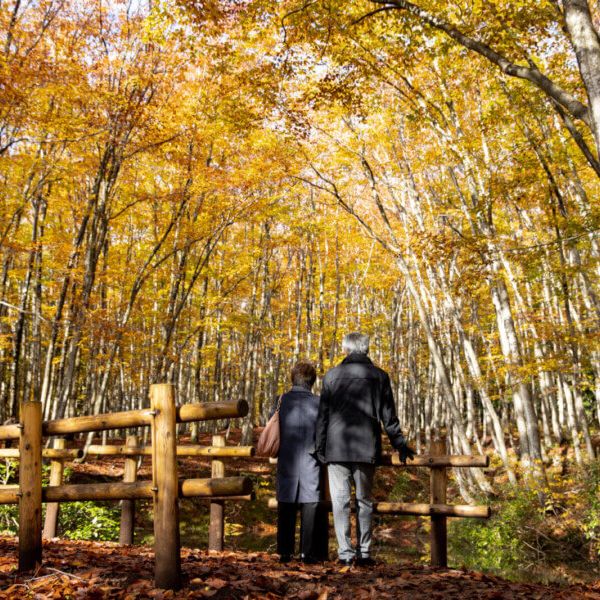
(411, 485)
(97, 521)
(557, 542)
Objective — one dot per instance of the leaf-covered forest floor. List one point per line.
(249, 567)
(106, 571)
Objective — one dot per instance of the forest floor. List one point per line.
(93, 570)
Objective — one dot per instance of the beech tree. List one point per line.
(205, 195)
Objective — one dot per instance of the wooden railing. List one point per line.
(438, 463)
(218, 451)
(165, 489)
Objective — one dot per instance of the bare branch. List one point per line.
(532, 74)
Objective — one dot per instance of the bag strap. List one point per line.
(279, 403)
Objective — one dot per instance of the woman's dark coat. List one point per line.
(297, 468)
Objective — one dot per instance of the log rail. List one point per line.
(165, 489)
(132, 418)
(438, 463)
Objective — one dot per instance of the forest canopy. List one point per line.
(205, 192)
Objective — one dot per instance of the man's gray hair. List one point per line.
(356, 342)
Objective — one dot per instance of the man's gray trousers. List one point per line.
(341, 476)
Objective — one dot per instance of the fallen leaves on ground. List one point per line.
(106, 571)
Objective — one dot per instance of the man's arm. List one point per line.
(390, 421)
(388, 414)
(322, 423)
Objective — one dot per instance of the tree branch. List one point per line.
(576, 108)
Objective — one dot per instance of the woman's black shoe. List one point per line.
(285, 558)
(309, 560)
(367, 561)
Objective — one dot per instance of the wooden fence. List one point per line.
(165, 489)
(438, 463)
(217, 452)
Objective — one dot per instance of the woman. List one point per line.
(298, 472)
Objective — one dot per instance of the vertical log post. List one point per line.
(439, 537)
(128, 506)
(56, 478)
(30, 487)
(216, 530)
(167, 569)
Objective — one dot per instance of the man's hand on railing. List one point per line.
(406, 452)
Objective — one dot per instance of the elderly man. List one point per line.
(355, 397)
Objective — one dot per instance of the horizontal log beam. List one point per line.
(427, 510)
(9, 494)
(209, 411)
(226, 487)
(216, 451)
(97, 491)
(119, 420)
(228, 451)
(133, 418)
(460, 460)
(10, 432)
(245, 498)
(424, 460)
(207, 488)
(447, 510)
(54, 453)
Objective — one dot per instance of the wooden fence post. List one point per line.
(128, 506)
(438, 536)
(167, 569)
(30, 487)
(216, 529)
(56, 478)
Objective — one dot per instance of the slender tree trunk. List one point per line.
(586, 43)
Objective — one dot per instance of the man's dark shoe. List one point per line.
(309, 560)
(345, 562)
(285, 558)
(366, 561)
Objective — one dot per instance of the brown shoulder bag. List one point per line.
(268, 442)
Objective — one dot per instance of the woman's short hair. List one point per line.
(304, 374)
(356, 342)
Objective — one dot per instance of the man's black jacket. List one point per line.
(356, 395)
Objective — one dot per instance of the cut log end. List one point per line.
(242, 408)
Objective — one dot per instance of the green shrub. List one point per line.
(9, 519)
(505, 542)
(403, 488)
(89, 521)
(406, 488)
(9, 471)
(9, 513)
(77, 520)
(591, 521)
